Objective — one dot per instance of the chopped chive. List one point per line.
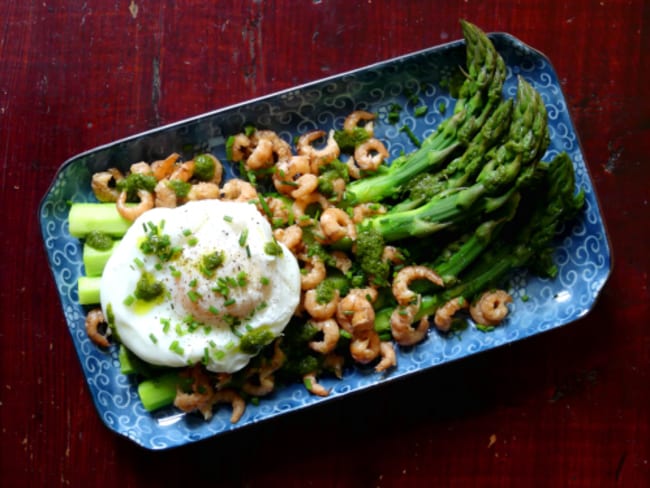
(194, 296)
(186, 232)
(265, 280)
(166, 325)
(248, 251)
(129, 300)
(243, 237)
(229, 302)
(193, 283)
(219, 355)
(214, 310)
(420, 111)
(193, 241)
(153, 338)
(176, 347)
(308, 384)
(345, 334)
(227, 218)
(138, 262)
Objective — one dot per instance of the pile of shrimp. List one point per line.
(294, 175)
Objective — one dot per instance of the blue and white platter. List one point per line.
(583, 251)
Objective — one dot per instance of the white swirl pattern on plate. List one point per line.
(583, 254)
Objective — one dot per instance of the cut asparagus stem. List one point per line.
(159, 392)
(95, 260)
(104, 217)
(88, 290)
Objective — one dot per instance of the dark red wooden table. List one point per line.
(567, 408)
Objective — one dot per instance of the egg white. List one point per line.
(201, 315)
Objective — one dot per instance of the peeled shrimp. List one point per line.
(322, 156)
(352, 121)
(445, 314)
(232, 397)
(300, 207)
(271, 148)
(491, 308)
(315, 271)
(238, 190)
(203, 190)
(370, 154)
(401, 321)
(355, 312)
(330, 330)
(240, 147)
(364, 210)
(163, 168)
(262, 155)
(388, 358)
(102, 186)
(142, 168)
(337, 224)
(290, 236)
(305, 185)
(365, 347)
(94, 318)
(183, 171)
(133, 212)
(165, 196)
(312, 385)
(200, 397)
(288, 171)
(406, 275)
(320, 311)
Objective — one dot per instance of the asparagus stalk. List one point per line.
(479, 95)
(509, 167)
(86, 217)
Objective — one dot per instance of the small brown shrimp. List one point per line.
(320, 311)
(103, 185)
(370, 154)
(355, 312)
(133, 212)
(93, 320)
(331, 334)
(337, 224)
(300, 207)
(240, 150)
(163, 167)
(401, 321)
(280, 149)
(353, 169)
(201, 395)
(322, 156)
(365, 347)
(403, 294)
(238, 190)
(290, 236)
(352, 121)
(388, 358)
(364, 210)
(445, 314)
(288, 171)
(312, 385)
(491, 307)
(315, 271)
(265, 382)
(306, 185)
(262, 155)
(183, 171)
(203, 190)
(165, 196)
(280, 210)
(236, 401)
(141, 168)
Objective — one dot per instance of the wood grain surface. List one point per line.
(568, 408)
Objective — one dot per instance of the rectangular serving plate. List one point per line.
(583, 252)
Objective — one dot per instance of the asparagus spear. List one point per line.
(479, 95)
(509, 167)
